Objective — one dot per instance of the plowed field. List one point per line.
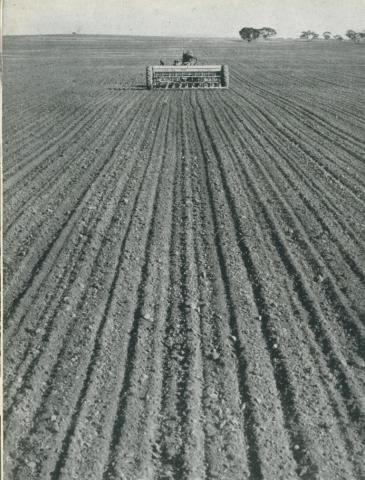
(184, 270)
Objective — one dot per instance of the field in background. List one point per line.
(184, 270)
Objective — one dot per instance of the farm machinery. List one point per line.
(187, 74)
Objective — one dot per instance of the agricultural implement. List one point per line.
(187, 76)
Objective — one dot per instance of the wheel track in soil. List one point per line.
(185, 334)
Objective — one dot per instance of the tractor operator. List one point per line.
(188, 58)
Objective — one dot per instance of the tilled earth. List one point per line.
(184, 270)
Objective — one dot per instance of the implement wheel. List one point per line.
(149, 78)
(225, 76)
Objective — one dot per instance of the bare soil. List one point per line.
(184, 271)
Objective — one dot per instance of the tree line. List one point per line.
(356, 37)
(249, 34)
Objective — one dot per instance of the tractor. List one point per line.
(187, 74)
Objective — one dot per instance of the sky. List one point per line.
(221, 18)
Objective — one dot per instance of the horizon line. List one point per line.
(76, 34)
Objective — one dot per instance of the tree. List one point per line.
(356, 37)
(351, 34)
(249, 34)
(309, 35)
(359, 37)
(338, 37)
(326, 35)
(267, 32)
